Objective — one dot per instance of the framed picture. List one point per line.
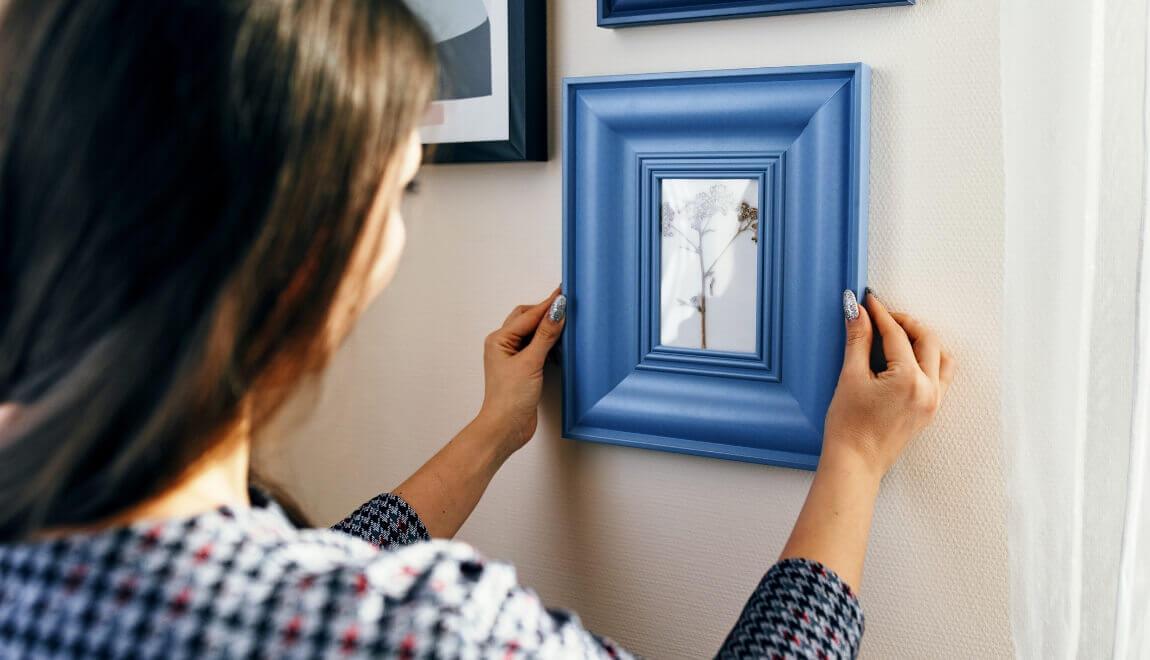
(491, 104)
(624, 13)
(712, 220)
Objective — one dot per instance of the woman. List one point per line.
(197, 198)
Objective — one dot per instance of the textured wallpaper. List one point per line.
(659, 550)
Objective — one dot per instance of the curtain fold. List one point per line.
(1132, 616)
(1075, 378)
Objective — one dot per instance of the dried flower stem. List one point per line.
(701, 209)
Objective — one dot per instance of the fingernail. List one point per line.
(558, 309)
(850, 305)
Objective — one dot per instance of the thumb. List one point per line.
(547, 333)
(859, 337)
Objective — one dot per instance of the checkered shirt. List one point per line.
(245, 583)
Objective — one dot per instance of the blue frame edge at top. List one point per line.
(793, 436)
(618, 14)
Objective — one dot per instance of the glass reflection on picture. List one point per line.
(709, 264)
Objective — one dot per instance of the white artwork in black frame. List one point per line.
(491, 104)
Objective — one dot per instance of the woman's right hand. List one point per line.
(873, 416)
(871, 419)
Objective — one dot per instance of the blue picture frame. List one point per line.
(626, 13)
(802, 134)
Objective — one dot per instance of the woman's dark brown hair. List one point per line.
(183, 185)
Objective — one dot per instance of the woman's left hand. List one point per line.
(446, 489)
(513, 358)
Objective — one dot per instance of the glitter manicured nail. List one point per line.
(850, 305)
(558, 309)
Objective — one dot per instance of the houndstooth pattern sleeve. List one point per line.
(453, 603)
(386, 521)
(800, 609)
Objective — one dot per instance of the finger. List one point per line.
(856, 358)
(548, 331)
(519, 309)
(525, 323)
(927, 349)
(895, 344)
(946, 368)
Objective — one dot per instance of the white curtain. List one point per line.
(1076, 326)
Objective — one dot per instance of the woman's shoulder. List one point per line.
(394, 571)
(438, 573)
(238, 583)
(232, 583)
(433, 598)
(330, 564)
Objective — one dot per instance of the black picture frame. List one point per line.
(527, 95)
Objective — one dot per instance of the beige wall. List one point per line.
(660, 550)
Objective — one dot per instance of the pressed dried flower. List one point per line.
(749, 220)
(698, 211)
